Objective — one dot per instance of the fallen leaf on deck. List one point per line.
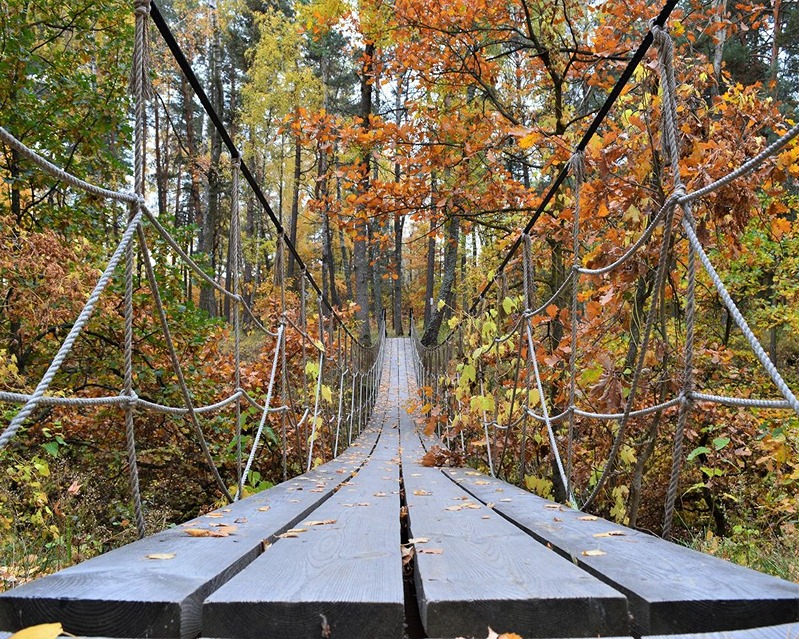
(42, 631)
(263, 509)
(363, 503)
(421, 492)
(297, 530)
(472, 506)
(198, 532)
(430, 551)
(558, 519)
(288, 535)
(593, 553)
(453, 507)
(161, 555)
(321, 522)
(588, 518)
(611, 533)
(555, 506)
(215, 515)
(481, 482)
(380, 494)
(506, 499)
(418, 540)
(407, 554)
(490, 504)
(486, 517)
(240, 520)
(223, 530)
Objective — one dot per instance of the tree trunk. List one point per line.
(208, 230)
(360, 253)
(447, 291)
(295, 203)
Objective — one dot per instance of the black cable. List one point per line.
(592, 129)
(187, 70)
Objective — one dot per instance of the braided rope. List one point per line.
(77, 327)
(732, 308)
(176, 368)
(578, 170)
(62, 175)
(552, 441)
(279, 347)
(235, 242)
(660, 277)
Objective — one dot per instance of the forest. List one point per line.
(404, 145)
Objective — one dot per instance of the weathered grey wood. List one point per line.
(784, 631)
(672, 589)
(123, 593)
(477, 570)
(341, 579)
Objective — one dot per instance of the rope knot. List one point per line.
(131, 399)
(577, 165)
(141, 7)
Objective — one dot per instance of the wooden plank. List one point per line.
(477, 570)
(342, 578)
(123, 593)
(783, 631)
(672, 589)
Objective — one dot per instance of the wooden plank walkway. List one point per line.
(321, 556)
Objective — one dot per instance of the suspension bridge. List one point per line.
(379, 541)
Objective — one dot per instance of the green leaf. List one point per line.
(51, 448)
(508, 305)
(468, 375)
(701, 450)
(720, 442)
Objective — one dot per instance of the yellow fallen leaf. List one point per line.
(42, 631)
(297, 530)
(161, 555)
(472, 506)
(418, 540)
(263, 509)
(320, 522)
(593, 553)
(588, 518)
(421, 493)
(198, 532)
(480, 482)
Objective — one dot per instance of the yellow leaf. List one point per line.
(593, 553)
(198, 532)
(42, 631)
(161, 555)
(588, 518)
(321, 522)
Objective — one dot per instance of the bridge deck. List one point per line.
(322, 556)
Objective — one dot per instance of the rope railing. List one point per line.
(436, 370)
(355, 367)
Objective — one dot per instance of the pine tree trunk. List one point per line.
(295, 204)
(446, 293)
(360, 252)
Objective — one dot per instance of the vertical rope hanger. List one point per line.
(665, 48)
(236, 249)
(577, 165)
(141, 90)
